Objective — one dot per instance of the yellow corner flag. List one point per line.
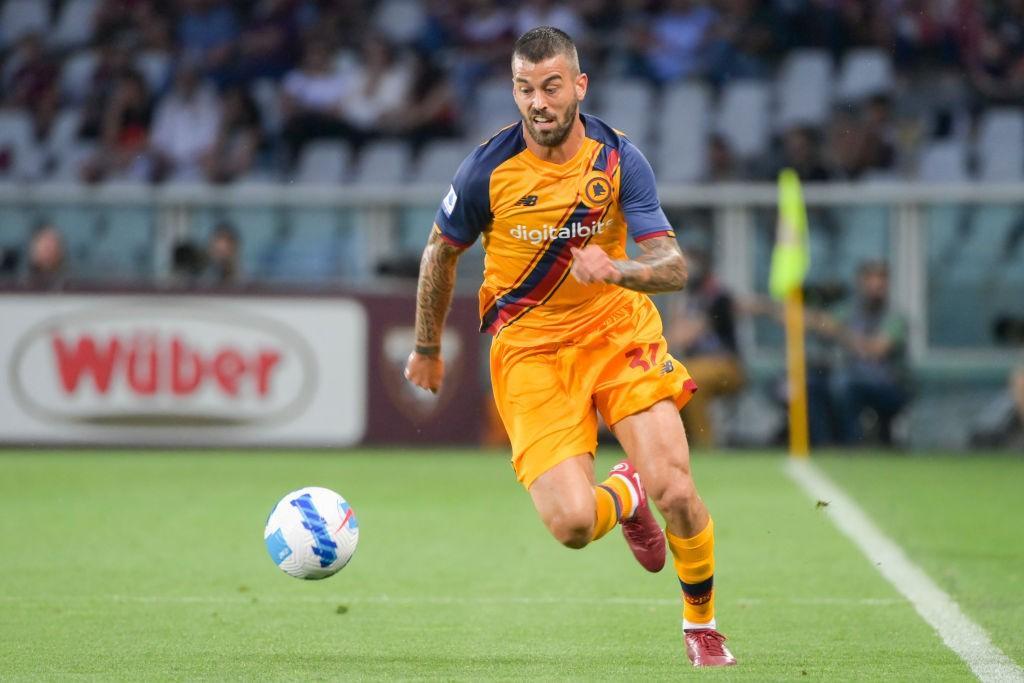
(790, 261)
(791, 255)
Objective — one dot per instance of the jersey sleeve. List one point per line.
(638, 197)
(465, 211)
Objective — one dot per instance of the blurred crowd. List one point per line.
(223, 89)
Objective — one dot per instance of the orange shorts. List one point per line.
(548, 395)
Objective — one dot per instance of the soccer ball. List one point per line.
(311, 533)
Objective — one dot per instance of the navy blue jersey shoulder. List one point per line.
(596, 129)
(465, 211)
(638, 194)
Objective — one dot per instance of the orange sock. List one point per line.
(613, 499)
(695, 565)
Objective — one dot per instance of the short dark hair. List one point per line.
(545, 42)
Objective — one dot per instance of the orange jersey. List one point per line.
(531, 212)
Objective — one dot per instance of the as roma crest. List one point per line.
(597, 189)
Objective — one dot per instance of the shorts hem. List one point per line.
(528, 475)
(680, 397)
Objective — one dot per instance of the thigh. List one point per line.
(655, 443)
(636, 369)
(548, 420)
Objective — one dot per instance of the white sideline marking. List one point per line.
(964, 637)
(247, 598)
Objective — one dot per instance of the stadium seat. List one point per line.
(19, 18)
(17, 224)
(76, 75)
(627, 105)
(865, 72)
(324, 162)
(1000, 145)
(70, 159)
(123, 249)
(77, 225)
(804, 89)
(865, 236)
(743, 116)
(20, 157)
(382, 163)
(74, 24)
(943, 162)
(310, 247)
(495, 108)
(982, 252)
(439, 160)
(63, 136)
(681, 152)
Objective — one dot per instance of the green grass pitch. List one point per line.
(132, 566)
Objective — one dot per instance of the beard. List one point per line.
(555, 136)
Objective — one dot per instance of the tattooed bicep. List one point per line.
(662, 245)
(441, 249)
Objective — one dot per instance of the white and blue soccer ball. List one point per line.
(311, 533)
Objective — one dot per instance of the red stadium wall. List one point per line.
(151, 369)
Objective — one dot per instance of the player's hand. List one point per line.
(426, 372)
(592, 264)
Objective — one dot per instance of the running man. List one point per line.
(551, 197)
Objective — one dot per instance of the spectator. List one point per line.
(723, 166)
(46, 267)
(185, 128)
(207, 31)
(266, 46)
(238, 141)
(873, 374)
(8, 264)
(113, 61)
(997, 69)
(674, 40)
(31, 84)
(800, 153)
(124, 133)
(879, 134)
(29, 73)
(379, 88)
(222, 255)
(431, 110)
(311, 98)
(741, 41)
(703, 334)
(187, 265)
(846, 147)
(486, 35)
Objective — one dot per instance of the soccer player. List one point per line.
(553, 196)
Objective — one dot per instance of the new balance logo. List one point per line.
(527, 200)
(667, 367)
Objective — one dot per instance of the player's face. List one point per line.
(548, 94)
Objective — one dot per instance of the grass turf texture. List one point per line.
(152, 566)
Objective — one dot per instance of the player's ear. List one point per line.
(581, 86)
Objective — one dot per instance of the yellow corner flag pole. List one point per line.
(790, 261)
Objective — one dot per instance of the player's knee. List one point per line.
(573, 530)
(676, 496)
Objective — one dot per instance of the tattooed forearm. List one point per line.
(434, 293)
(660, 268)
